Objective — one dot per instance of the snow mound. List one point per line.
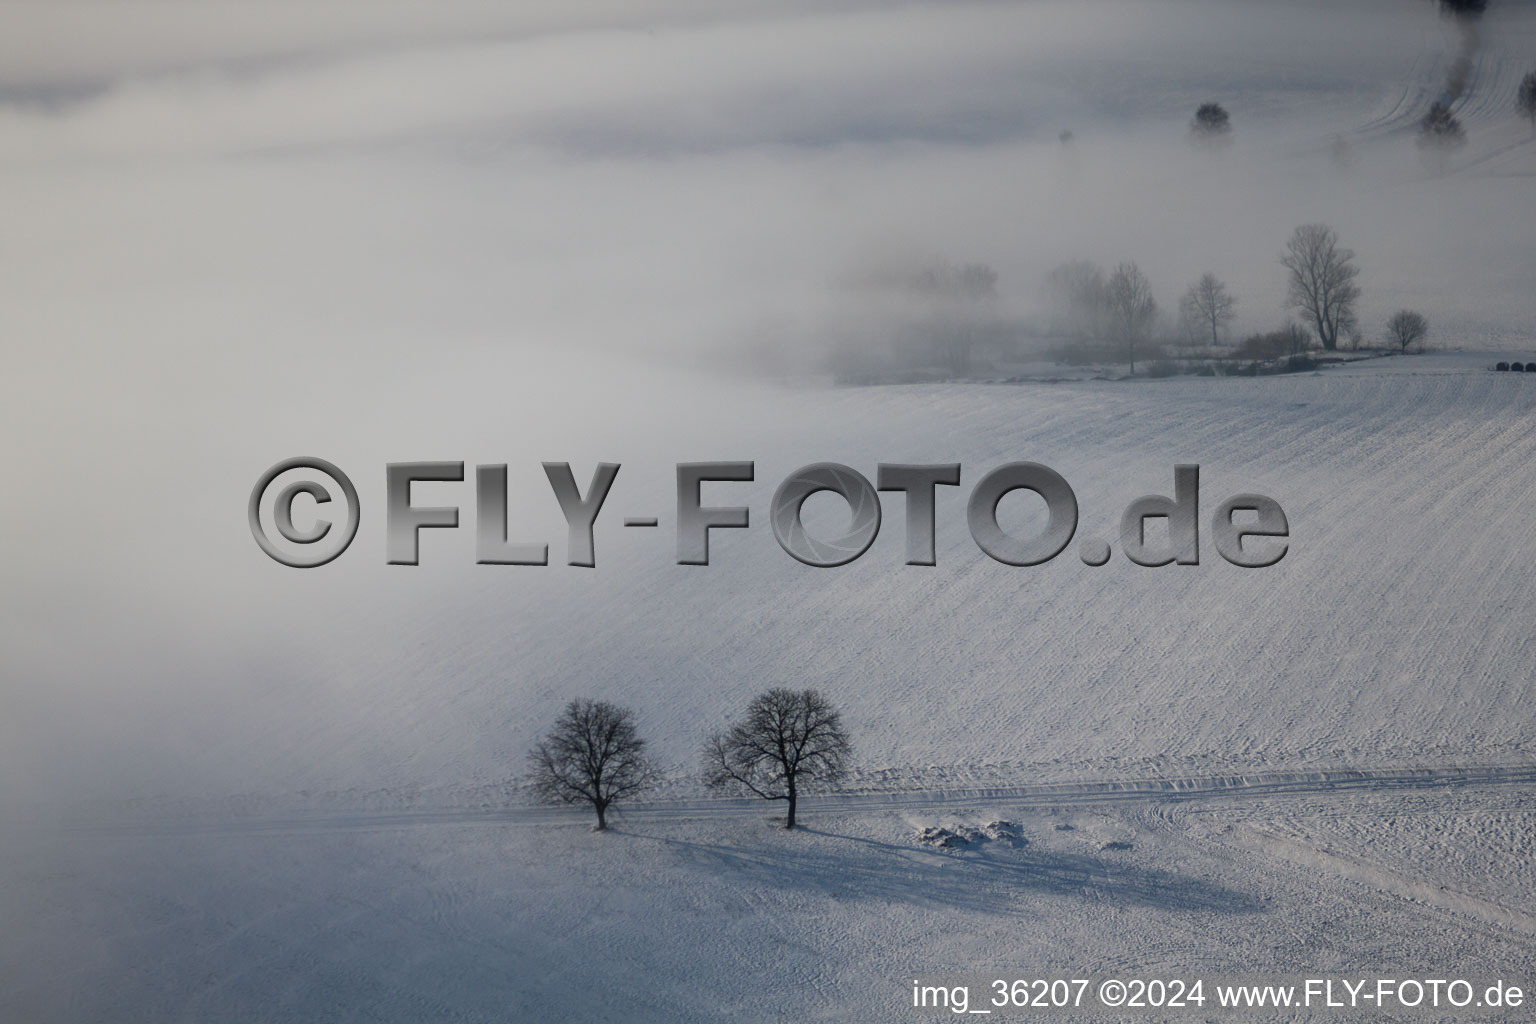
(962, 837)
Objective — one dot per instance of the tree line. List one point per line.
(949, 310)
(1117, 312)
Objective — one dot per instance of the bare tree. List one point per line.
(1407, 328)
(1212, 125)
(1322, 281)
(789, 738)
(1525, 99)
(593, 755)
(1209, 304)
(1131, 308)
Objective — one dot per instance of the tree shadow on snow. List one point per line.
(981, 881)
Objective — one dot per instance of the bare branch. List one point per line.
(593, 755)
(1322, 281)
(787, 740)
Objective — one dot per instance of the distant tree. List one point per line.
(1212, 125)
(1189, 318)
(1322, 281)
(1440, 134)
(918, 314)
(1440, 127)
(1352, 332)
(1405, 327)
(1268, 345)
(1077, 293)
(959, 298)
(1525, 100)
(787, 740)
(1131, 309)
(1466, 10)
(593, 755)
(1290, 340)
(1209, 304)
(1297, 336)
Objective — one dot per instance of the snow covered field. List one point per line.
(707, 917)
(235, 791)
(1393, 634)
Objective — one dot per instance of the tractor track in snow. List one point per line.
(1240, 785)
(1312, 858)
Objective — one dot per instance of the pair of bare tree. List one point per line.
(786, 741)
(1121, 309)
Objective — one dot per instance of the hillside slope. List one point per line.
(1393, 632)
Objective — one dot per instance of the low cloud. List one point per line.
(236, 232)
